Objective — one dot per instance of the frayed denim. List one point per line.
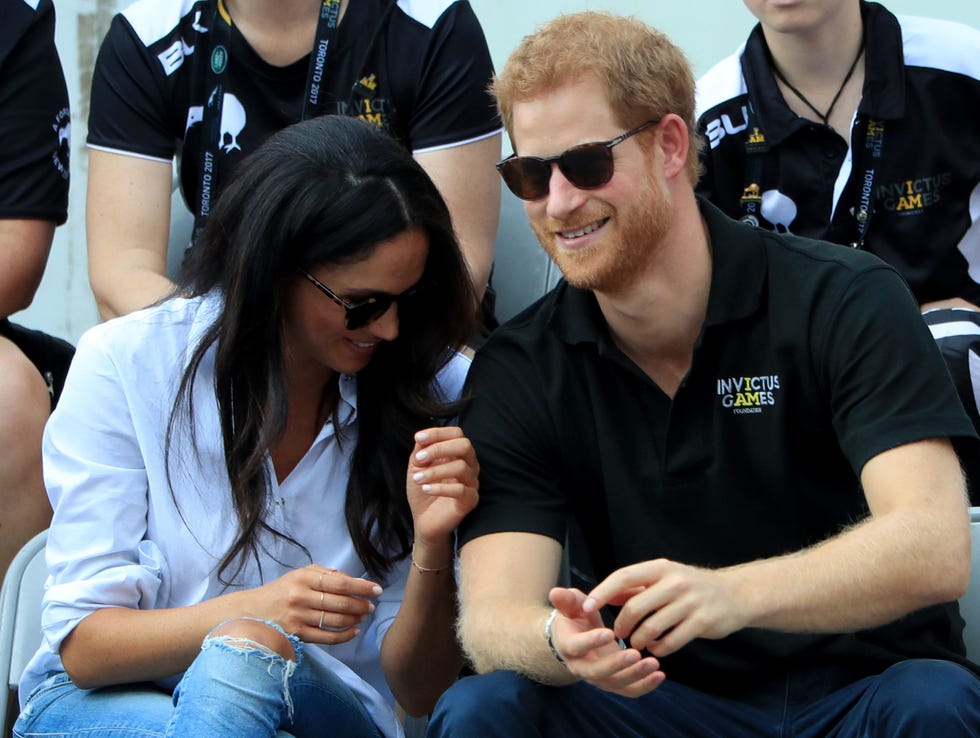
(235, 688)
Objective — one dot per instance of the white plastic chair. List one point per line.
(20, 620)
(970, 602)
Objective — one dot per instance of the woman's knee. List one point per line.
(250, 635)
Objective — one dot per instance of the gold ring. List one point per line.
(320, 626)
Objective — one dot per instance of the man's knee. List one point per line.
(928, 693)
(485, 705)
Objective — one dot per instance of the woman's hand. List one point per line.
(316, 604)
(443, 479)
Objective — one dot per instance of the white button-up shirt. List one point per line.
(119, 538)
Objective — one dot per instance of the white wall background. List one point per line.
(706, 29)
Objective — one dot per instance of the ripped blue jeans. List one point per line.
(235, 688)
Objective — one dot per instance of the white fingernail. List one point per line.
(418, 476)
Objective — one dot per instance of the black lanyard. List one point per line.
(211, 137)
(867, 158)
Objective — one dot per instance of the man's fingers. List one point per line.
(660, 622)
(637, 671)
(642, 685)
(636, 577)
(579, 645)
(567, 600)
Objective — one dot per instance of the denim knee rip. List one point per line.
(247, 647)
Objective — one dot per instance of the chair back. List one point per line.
(20, 620)
(970, 602)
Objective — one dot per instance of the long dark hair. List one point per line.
(322, 192)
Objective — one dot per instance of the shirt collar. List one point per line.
(883, 95)
(884, 69)
(738, 267)
(347, 407)
(738, 275)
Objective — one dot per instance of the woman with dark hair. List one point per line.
(262, 466)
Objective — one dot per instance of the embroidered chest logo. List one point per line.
(748, 395)
(912, 196)
(365, 103)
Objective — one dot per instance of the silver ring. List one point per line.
(319, 582)
(321, 599)
(320, 626)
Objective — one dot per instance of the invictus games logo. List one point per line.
(748, 395)
(913, 195)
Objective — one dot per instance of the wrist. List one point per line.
(432, 558)
(549, 636)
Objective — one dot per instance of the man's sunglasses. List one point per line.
(358, 315)
(587, 166)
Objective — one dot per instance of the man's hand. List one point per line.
(666, 605)
(591, 652)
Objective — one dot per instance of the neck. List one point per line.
(657, 319)
(280, 32)
(310, 404)
(821, 55)
(820, 73)
(312, 398)
(279, 13)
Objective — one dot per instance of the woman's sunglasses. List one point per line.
(587, 166)
(358, 315)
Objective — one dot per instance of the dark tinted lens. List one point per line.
(587, 166)
(526, 177)
(367, 312)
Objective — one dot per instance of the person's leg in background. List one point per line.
(26, 404)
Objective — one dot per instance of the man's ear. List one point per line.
(673, 140)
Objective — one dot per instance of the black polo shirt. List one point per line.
(812, 360)
(419, 70)
(922, 89)
(35, 123)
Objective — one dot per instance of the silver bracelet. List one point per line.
(547, 635)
